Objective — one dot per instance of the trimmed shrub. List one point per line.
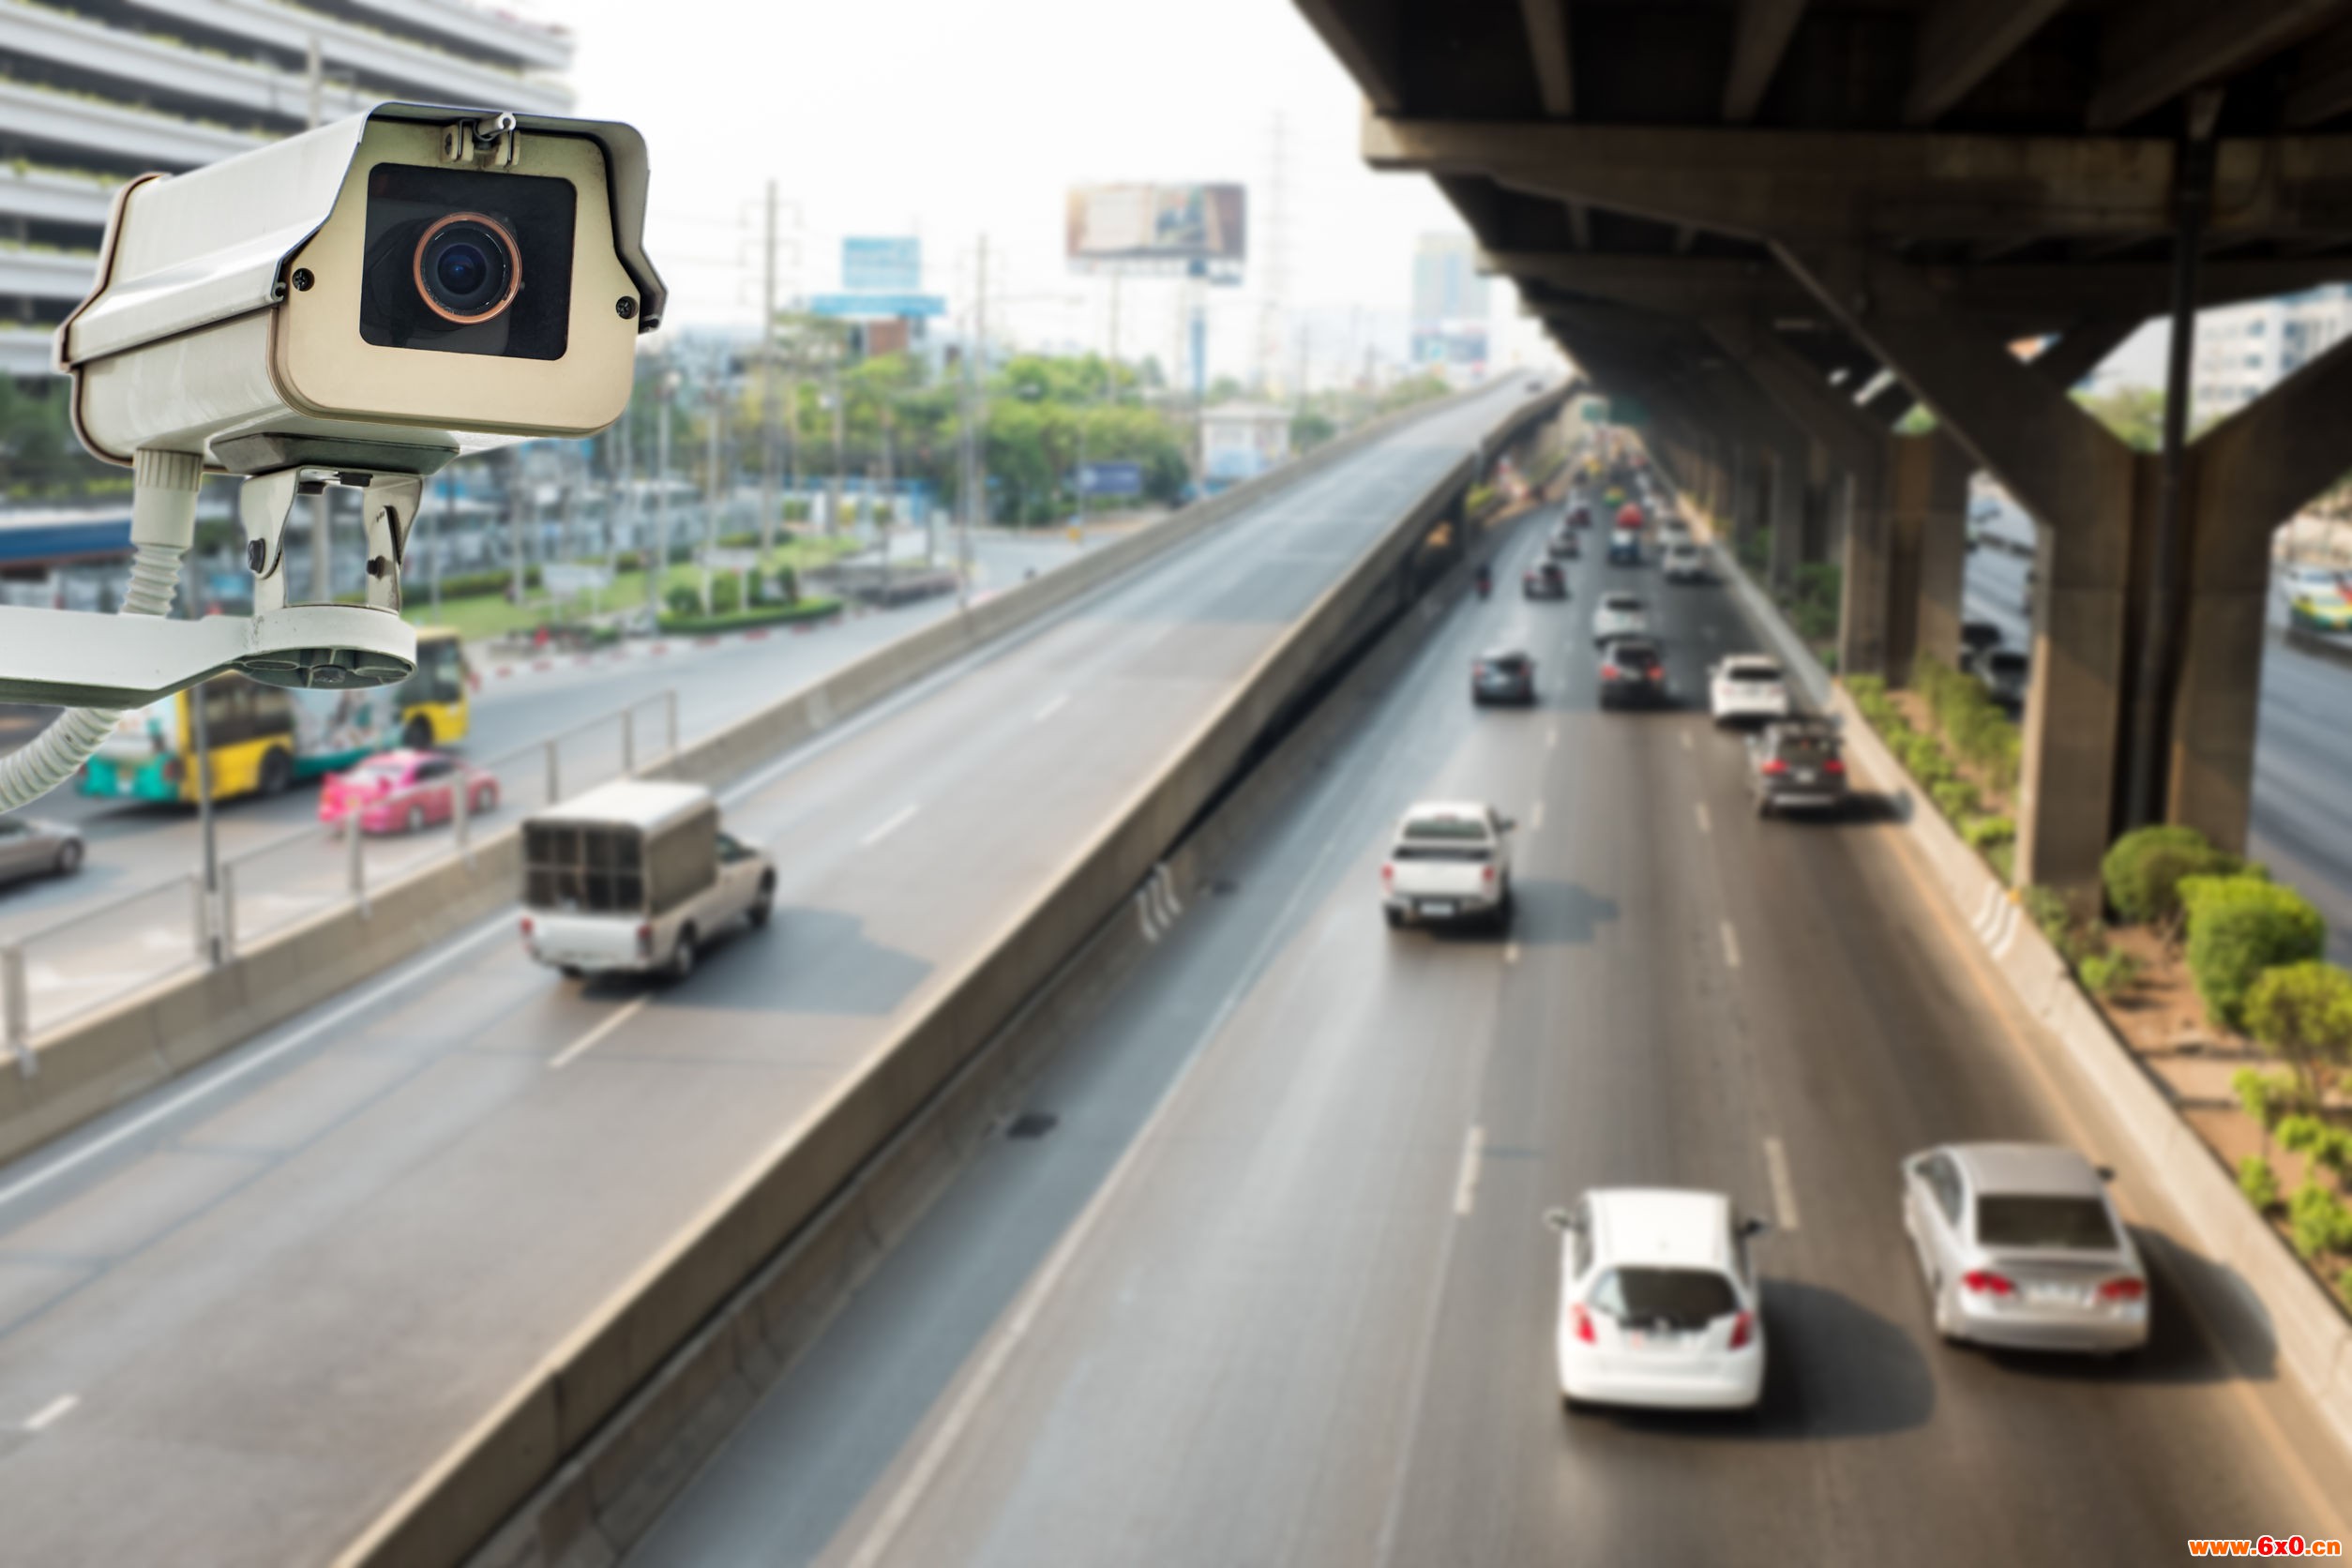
(2319, 1141)
(2265, 1096)
(2239, 926)
(2318, 1221)
(1956, 798)
(726, 593)
(684, 599)
(2110, 973)
(1979, 732)
(2142, 870)
(2002, 857)
(1863, 687)
(2258, 1181)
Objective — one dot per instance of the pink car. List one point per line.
(402, 792)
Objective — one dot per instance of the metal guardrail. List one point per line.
(94, 956)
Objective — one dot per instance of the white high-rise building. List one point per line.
(2244, 350)
(94, 91)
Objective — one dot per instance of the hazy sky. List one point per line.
(950, 119)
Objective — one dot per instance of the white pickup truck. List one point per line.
(1451, 860)
(635, 877)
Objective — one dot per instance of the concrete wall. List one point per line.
(108, 1057)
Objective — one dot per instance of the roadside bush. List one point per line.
(2110, 973)
(2301, 1012)
(2237, 927)
(2318, 1221)
(1980, 734)
(795, 508)
(2266, 1096)
(1478, 499)
(1865, 687)
(1956, 798)
(683, 601)
(2002, 857)
(726, 593)
(2260, 1184)
(1986, 834)
(2320, 1141)
(2142, 870)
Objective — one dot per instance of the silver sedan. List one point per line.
(2022, 1248)
(32, 847)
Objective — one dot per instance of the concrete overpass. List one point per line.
(1779, 225)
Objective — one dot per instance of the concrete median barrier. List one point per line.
(109, 1056)
(920, 1095)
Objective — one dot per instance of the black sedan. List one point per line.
(1505, 675)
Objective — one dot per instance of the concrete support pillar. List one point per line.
(1867, 572)
(1789, 484)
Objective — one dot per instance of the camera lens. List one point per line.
(466, 267)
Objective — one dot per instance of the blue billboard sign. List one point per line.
(877, 264)
(1111, 478)
(877, 307)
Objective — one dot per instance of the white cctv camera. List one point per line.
(356, 305)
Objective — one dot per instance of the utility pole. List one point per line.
(972, 479)
(770, 413)
(714, 486)
(517, 499)
(656, 553)
(837, 349)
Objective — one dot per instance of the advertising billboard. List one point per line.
(881, 264)
(1111, 478)
(1168, 229)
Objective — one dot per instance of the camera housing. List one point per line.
(377, 296)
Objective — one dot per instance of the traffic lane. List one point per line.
(134, 844)
(518, 1152)
(2302, 802)
(1674, 1103)
(1218, 1374)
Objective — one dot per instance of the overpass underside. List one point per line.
(1777, 227)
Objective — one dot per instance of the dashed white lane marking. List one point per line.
(900, 820)
(1783, 1190)
(1535, 817)
(1050, 709)
(1551, 738)
(1466, 1185)
(1686, 741)
(1511, 952)
(1705, 823)
(588, 1042)
(53, 1413)
(1730, 945)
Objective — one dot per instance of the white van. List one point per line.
(634, 875)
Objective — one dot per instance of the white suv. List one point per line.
(1746, 687)
(1659, 1303)
(1684, 562)
(1451, 860)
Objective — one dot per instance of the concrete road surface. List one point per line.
(1274, 1287)
(239, 1317)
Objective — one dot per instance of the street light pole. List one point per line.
(713, 491)
(657, 557)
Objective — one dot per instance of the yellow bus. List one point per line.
(263, 738)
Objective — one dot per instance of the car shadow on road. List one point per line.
(834, 970)
(1832, 1369)
(1545, 913)
(2178, 1350)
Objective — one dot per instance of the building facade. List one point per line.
(93, 91)
(2243, 350)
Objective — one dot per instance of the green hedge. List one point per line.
(2317, 1220)
(695, 624)
(2142, 870)
(2239, 926)
(1980, 734)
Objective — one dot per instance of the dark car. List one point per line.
(1632, 674)
(1795, 764)
(1975, 638)
(1505, 675)
(1564, 545)
(1580, 515)
(1625, 547)
(1544, 581)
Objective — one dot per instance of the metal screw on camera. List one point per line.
(624, 306)
(302, 279)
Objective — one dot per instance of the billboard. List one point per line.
(876, 264)
(1171, 230)
(1111, 478)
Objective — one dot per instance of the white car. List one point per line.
(1620, 614)
(1684, 562)
(1747, 689)
(1450, 862)
(1658, 1301)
